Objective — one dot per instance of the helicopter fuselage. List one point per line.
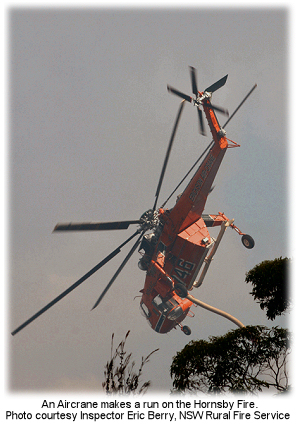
(183, 242)
(173, 269)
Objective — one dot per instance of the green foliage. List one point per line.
(120, 377)
(270, 286)
(244, 360)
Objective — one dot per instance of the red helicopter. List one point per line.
(174, 244)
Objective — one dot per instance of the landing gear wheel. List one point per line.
(247, 241)
(186, 330)
(180, 290)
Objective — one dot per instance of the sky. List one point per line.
(89, 123)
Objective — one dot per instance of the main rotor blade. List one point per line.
(217, 85)
(81, 280)
(235, 111)
(112, 225)
(201, 124)
(180, 94)
(194, 80)
(118, 271)
(167, 155)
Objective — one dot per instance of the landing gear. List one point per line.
(186, 330)
(247, 241)
(180, 290)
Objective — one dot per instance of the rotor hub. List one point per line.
(149, 220)
(221, 133)
(202, 96)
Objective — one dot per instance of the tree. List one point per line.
(120, 377)
(270, 286)
(248, 359)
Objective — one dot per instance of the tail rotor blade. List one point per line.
(217, 85)
(118, 271)
(180, 94)
(194, 80)
(167, 155)
(72, 287)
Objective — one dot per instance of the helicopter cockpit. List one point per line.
(159, 310)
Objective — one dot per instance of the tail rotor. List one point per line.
(200, 97)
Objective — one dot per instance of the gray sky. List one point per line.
(90, 120)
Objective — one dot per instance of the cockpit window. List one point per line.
(175, 313)
(164, 306)
(145, 310)
(158, 302)
(162, 248)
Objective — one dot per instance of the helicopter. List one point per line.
(175, 245)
